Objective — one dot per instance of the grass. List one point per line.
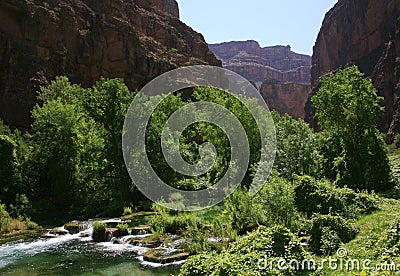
(367, 244)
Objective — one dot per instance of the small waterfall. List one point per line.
(58, 239)
(9, 253)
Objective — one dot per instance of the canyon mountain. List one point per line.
(282, 76)
(365, 33)
(86, 39)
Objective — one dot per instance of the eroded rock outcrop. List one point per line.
(286, 97)
(365, 33)
(282, 76)
(258, 64)
(86, 39)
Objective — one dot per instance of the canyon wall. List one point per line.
(136, 40)
(365, 33)
(286, 97)
(282, 75)
(258, 64)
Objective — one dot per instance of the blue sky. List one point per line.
(270, 22)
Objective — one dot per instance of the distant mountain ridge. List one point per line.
(282, 75)
(257, 64)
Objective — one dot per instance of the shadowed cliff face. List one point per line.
(85, 39)
(286, 97)
(282, 76)
(365, 33)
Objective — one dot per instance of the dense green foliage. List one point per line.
(99, 231)
(76, 160)
(328, 232)
(72, 164)
(312, 196)
(297, 148)
(347, 107)
(274, 204)
(250, 255)
(4, 218)
(163, 222)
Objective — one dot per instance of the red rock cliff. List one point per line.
(86, 39)
(258, 64)
(286, 97)
(282, 75)
(365, 33)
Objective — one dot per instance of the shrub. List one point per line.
(243, 213)
(273, 204)
(31, 225)
(164, 222)
(123, 229)
(127, 211)
(312, 196)
(242, 257)
(327, 232)
(297, 152)
(99, 231)
(4, 218)
(277, 202)
(199, 240)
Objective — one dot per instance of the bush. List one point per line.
(99, 231)
(31, 225)
(312, 196)
(243, 212)
(164, 222)
(4, 218)
(242, 257)
(127, 211)
(123, 229)
(297, 148)
(273, 204)
(277, 202)
(328, 232)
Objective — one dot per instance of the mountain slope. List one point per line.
(86, 39)
(282, 76)
(365, 33)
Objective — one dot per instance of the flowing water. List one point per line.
(77, 255)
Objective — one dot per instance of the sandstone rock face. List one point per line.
(365, 33)
(258, 64)
(282, 76)
(86, 39)
(286, 97)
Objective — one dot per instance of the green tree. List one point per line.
(347, 107)
(8, 169)
(107, 104)
(13, 187)
(64, 162)
(297, 148)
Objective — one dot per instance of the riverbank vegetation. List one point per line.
(328, 190)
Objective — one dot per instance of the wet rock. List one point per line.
(152, 241)
(141, 230)
(165, 256)
(74, 227)
(58, 231)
